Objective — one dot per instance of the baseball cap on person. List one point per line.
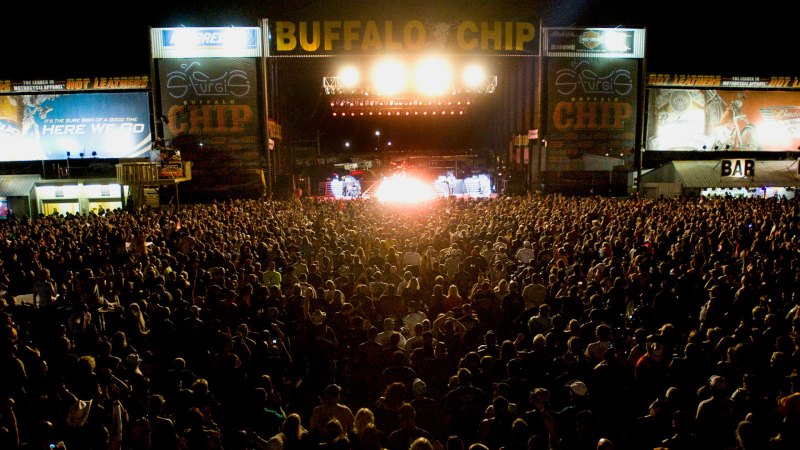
(578, 387)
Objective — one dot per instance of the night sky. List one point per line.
(101, 38)
(93, 37)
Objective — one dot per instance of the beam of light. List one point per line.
(389, 77)
(433, 76)
(404, 190)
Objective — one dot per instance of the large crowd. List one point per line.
(531, 322)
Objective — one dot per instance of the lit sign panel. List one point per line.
(206, 42)
(332, 37)
(594, 42)
(55, 192)
(100, 190)
(737, 168)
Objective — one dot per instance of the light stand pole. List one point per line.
(265, 98)
(386, 148)
(542, 160)
(384, 161)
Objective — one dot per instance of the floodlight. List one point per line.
(389, 77)
(433, 76)
(474, 76)
(349, 77)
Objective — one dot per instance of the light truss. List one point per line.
(361, 102)
(334, 86)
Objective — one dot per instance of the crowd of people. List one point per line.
(531, 322)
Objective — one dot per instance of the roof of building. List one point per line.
(17, 185)
(707, 174)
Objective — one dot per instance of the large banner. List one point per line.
(594, 42)
(591, 106)
(58, 126)
(213, 103)
(720, 120)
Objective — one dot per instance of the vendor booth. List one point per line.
(17, 195)
(739, 177)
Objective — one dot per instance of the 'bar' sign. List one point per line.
(738, 168)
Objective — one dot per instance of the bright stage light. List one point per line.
(349, 77)
(404, 189)
(389, 77)
(433, 76)
(474, 76)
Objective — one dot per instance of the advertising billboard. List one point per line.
(594, 42)
(208, 42)
(60, 125)
(591, 106)
(722, 120)
(213, 102)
